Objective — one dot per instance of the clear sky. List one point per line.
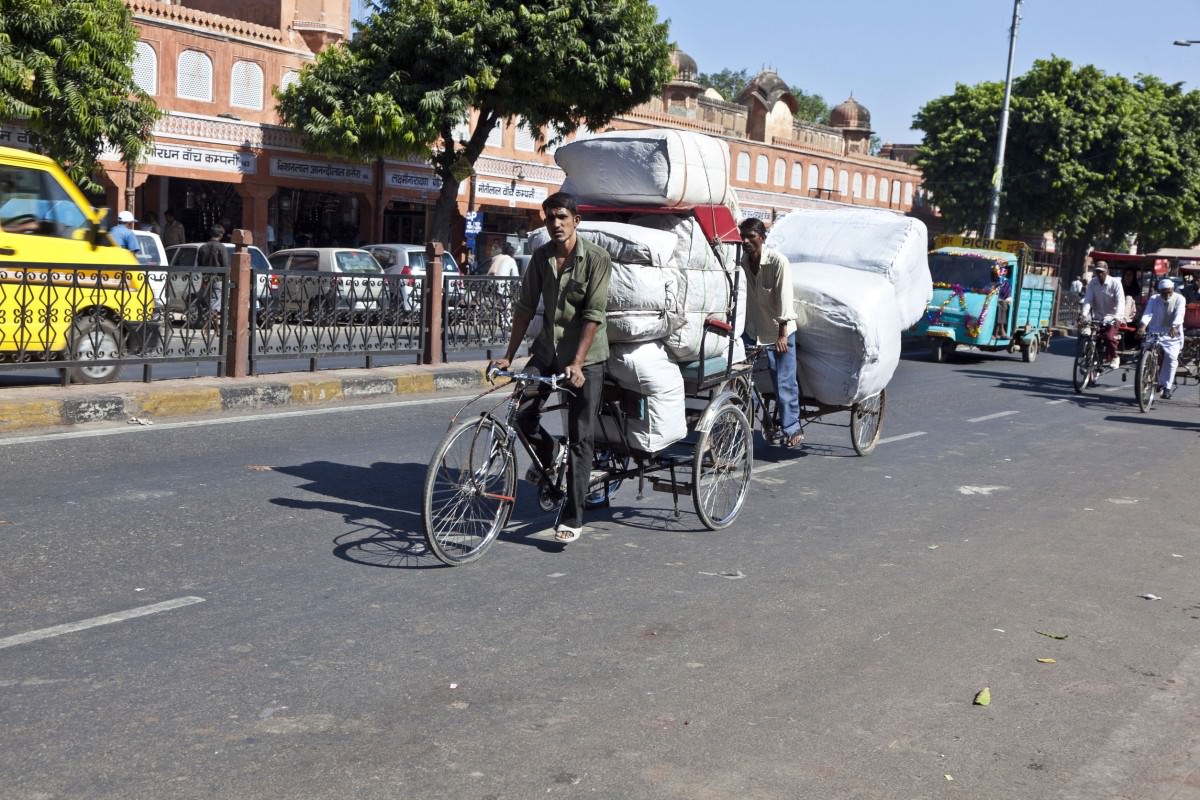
(895, 56)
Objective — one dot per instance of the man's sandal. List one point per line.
(566, 534)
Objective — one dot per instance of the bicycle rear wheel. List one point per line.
(1146, 377)
(866, 421)
(1084, 372)
(722, 463)
(470, 490)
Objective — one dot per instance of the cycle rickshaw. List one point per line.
(471, 485)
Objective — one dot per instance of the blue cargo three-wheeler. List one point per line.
(987, 294)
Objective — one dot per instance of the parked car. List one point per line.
(323, 280)
(409, 259)
(153, 256)
(184, 285)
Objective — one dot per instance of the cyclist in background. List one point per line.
(1164, 316)
(1104, 303)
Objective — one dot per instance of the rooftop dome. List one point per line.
(685, 66)
(850, 114)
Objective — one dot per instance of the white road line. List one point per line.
(901, 437)
(201, 423)
(1056, 402)
(1112, 389)
(772, 467)
(997, 415)
(107, 619)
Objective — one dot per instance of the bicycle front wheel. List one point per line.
(1083, 373)
(866, 420)
(1144, 380)
(470, 490)
(721, 466)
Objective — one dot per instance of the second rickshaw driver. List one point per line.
(570, 276)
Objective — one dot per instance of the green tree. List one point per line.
(813, 107)
(727, 82)
(66, 71)
(416, 68)
(1090, 157)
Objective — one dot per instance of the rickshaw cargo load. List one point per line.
(624, 243)
(848, 339)
(646, 369)
(692, 248)
(658, 167)
(874, 241)
(644, 303)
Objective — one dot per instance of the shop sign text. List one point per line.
(319, 171)
(419, 181)
(174, 155)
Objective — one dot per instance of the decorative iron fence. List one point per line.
(477, 314)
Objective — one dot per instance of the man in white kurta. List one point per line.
(1164, 316)
(1104, 302)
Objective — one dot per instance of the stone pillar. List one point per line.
(255, 198)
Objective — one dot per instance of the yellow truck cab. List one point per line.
(67, 292)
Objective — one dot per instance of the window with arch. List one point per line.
(496, 135)
(896, 193)
(780, 172)
(814, 174)
(883, 189)
(246, 85)
(743, 166)
(870, 187)
(290, 79)
(908, 193)
(843, 182)
(856, 185)
(194, 77)
(522, 139)
(798, 176)
(828, 182)
(145, 68)
(761, 165)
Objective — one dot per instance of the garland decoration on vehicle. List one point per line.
(1000, 287)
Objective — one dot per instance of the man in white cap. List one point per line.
(1164, 316)
(1103, 302)
(122, 235)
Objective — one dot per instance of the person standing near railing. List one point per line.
(1164, 316)
(122, 235)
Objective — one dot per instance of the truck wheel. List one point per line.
(1029, 350)
(943, 350)
(93, 338)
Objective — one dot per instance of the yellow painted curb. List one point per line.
(316, 392)
(415, 383)
(177, 404)
(30, 414)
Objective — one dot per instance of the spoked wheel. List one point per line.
(721, 467)
(470, 490)
(1146, 377)
(866, 421)
(1083, 373)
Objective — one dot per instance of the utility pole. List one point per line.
(989, 230)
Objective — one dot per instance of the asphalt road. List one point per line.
(827, 645)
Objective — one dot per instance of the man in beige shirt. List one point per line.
(771, 321)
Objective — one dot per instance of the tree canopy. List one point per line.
(1093, 158)
(66, 72)
(409, 79)
(729, 83)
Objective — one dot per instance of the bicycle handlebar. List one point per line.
(527, 377)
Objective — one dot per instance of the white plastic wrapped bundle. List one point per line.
(647, 369)
(707, 296)
(849, 332)
(626, 244)
(877, 241)
(646, 167)
(643, 303)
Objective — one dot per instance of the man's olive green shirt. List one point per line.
(579, 294)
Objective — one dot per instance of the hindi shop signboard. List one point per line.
(320, 171)
(21, 138)
(415, 181)
(510, 191)
(174, 155)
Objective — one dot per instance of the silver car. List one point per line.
(409, 260)
(341, 281)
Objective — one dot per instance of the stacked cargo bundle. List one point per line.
(667, 279)
(859, 278)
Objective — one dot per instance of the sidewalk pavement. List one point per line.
(31, 407)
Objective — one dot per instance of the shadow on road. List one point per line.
(1041, 386)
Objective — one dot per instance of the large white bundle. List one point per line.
(871, 240)
(643, 303)
(647, 369)
(627, 244)
(849, 332)
(646, 167)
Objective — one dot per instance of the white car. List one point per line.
(327, 280)
(153, 257)
(182, 257)
(409, 259)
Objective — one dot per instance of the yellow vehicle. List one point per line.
(67, 292)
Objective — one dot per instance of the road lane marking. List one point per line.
(202, 423)
(106, 619)
(901, 437)
(1112, 389)
(1056, 402)
(997, 415)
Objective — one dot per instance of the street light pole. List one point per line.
(989, 230)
